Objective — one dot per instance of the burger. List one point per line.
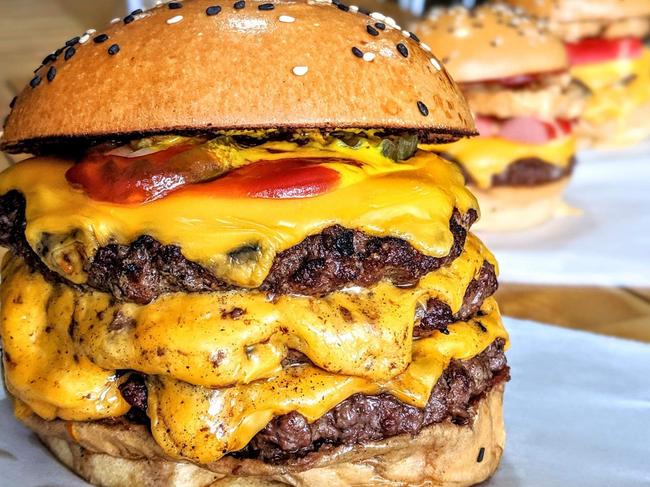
(516, 80)
(230, 264)
(608, 57)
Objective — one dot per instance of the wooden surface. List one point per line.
(29, 29)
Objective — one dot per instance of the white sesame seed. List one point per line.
(90, 31)
(369, 56)
(84, 38)
(175, 20)
(116, 20)
(390, 21)
(435, 63)
(378, 16)
(425, 47)
(406, 33)
(286, 19)
(300, 70)
(354, 9)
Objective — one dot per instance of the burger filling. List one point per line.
(617, 74)
(526, 131)
(248, 296)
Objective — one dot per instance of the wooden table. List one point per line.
(29, 29)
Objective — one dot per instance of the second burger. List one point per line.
(516, 80)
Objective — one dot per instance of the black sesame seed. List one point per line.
(128, 19)
(372, 31)
(35, 81)
(51, 73)
(69, 52)
(481, 454)
(174, 5)
(49, 58)
(444, 331)
(58, 52)
(414, 37)
(73, 41)
(239, 5)
(137, 11)
(402, 49)
(100, 38)
(12, 103)
(342, 6)
(357, 52)
(114, 49)
(213, 10)
(266, 6)
(481, 326)
(364, 11)
(423, 109)
(380, 25)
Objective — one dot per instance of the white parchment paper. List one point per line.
(608, 244)
(577, 412)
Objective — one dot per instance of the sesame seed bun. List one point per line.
(290, 65)
(444, 454)
(578, 10)
(490, 43)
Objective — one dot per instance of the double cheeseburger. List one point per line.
(230, 265)
(605, 43)
(516, 80)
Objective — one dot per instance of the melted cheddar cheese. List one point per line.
(238, 237)
(42, 367)
(203, 424)
(224, 338)
(485, 157)
(611, 98)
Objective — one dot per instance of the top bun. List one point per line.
(578, 10)
(192, 66)
(491, 42)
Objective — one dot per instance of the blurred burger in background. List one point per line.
(515, 77)
(605, 44)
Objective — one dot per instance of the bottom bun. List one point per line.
(116, 454)
(512, 208)
(615, 133)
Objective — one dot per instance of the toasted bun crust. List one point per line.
(491, 42)
(183, 70)
(445, 454)
(510, 208)
(577, 10)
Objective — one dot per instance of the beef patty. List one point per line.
(362, 418)
(530, 171)
(337, 257)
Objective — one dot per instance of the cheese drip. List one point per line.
(485, 157)
(223, 338)
(237, 238)
(611, 98)
(42, 367)
(203, 424)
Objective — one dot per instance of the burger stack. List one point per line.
(605, 44)
(515, 76)
(230, 262)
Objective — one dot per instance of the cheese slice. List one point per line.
(485, 157)
(202, 424)
(611, 99)
(42, 367)
(413, 200)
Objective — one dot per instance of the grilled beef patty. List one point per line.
(337, 257)
(522, 172)
(362, 418)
